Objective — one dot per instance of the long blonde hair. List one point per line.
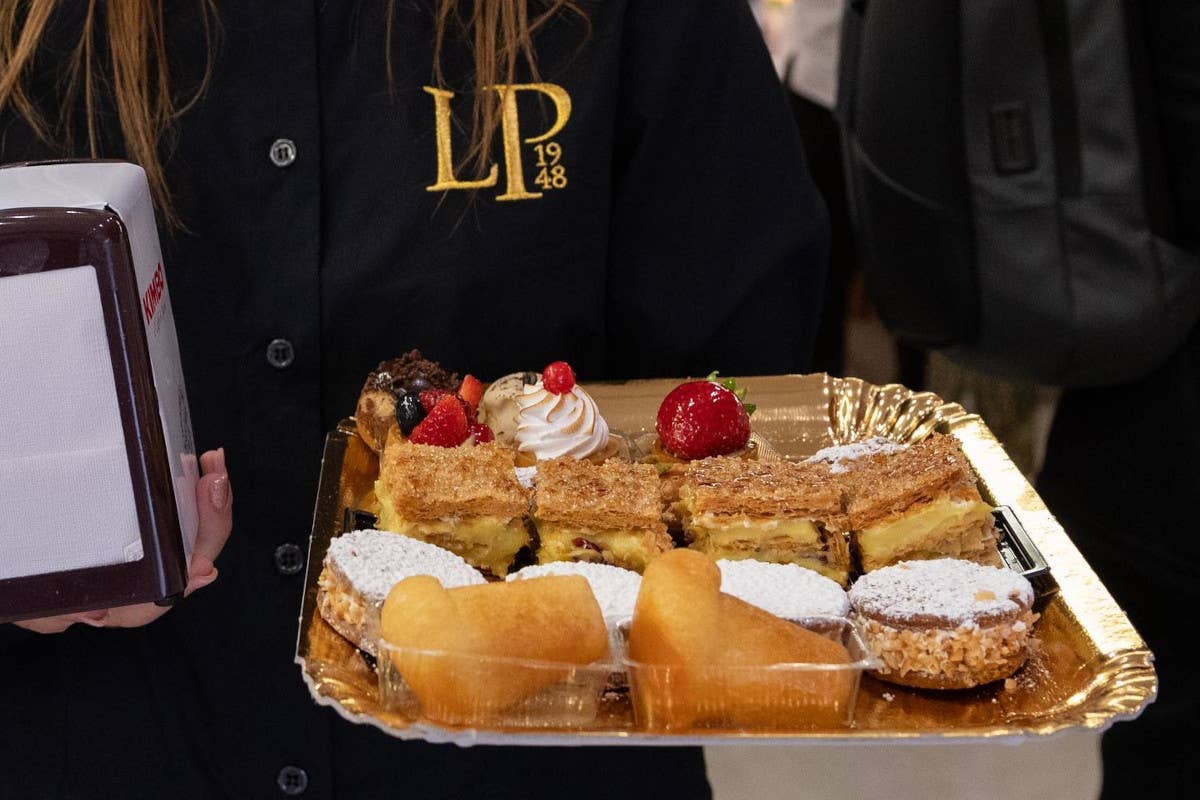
(137, 78)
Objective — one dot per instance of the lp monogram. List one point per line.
(552, 174)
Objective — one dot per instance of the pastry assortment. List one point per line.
(530, 557)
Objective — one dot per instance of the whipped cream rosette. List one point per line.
(556, 425)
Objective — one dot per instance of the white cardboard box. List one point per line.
(97, 461)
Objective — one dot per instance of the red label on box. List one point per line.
(153, 293)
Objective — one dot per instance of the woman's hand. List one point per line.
(214, 502)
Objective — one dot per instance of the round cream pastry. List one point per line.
(944, 623)
(786, 590)
(361, 567)
(553, 425)
(498, 407)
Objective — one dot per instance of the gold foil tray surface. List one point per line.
(1090, 669)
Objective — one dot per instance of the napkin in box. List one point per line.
(97, 465)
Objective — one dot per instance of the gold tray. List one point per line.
(1091, 669)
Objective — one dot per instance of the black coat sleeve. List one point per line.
(11, 637)
(719, 240)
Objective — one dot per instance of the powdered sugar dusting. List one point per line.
(616, 589)
(785, 590)
(375, 561)
(945, 589)
(526, 476)
(838, 454)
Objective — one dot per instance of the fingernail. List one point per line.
(218, 493)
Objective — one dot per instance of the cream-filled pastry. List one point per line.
(559, 419)
(465, 499)
(915, 503)
(945, 623)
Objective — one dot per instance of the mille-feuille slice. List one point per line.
(609, 512)
(775, 511)
(465, 499)
(917, 503)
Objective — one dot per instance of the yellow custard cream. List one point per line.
(632, 549)
(942, 528)
(779, 541)
(724, 531)
(485, 542)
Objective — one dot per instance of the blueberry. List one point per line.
(417, 385)
(409, 412)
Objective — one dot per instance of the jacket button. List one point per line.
(292, 780)
(283, 153)
(280, 353)
(289, 559)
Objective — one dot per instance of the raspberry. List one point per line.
(701, 419)
(444, 426)
(482, 433)
(558, 377)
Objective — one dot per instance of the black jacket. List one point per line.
(1122, 468)
(680, 235)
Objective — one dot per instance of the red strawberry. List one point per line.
(482, 433)
(445, 425)
(471, 391)
(430, 398)
(701, 419)
(558, 378)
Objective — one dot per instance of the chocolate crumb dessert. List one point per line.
(411, 372)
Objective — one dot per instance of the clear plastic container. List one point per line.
(779, 697)
(474, 691)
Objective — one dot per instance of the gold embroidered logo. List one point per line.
(552, 174)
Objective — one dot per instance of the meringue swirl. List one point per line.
(555, 425)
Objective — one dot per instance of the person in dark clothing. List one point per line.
(636, 205)
(1121, 468)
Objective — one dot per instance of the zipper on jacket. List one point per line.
(1064, 124)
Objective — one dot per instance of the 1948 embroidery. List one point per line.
(551, 175)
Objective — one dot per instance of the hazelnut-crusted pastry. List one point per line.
(781, 512)
(465, 499)
(945, 623)
(917, 502)
(361, 567)
(607, 512)
(375, 412)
